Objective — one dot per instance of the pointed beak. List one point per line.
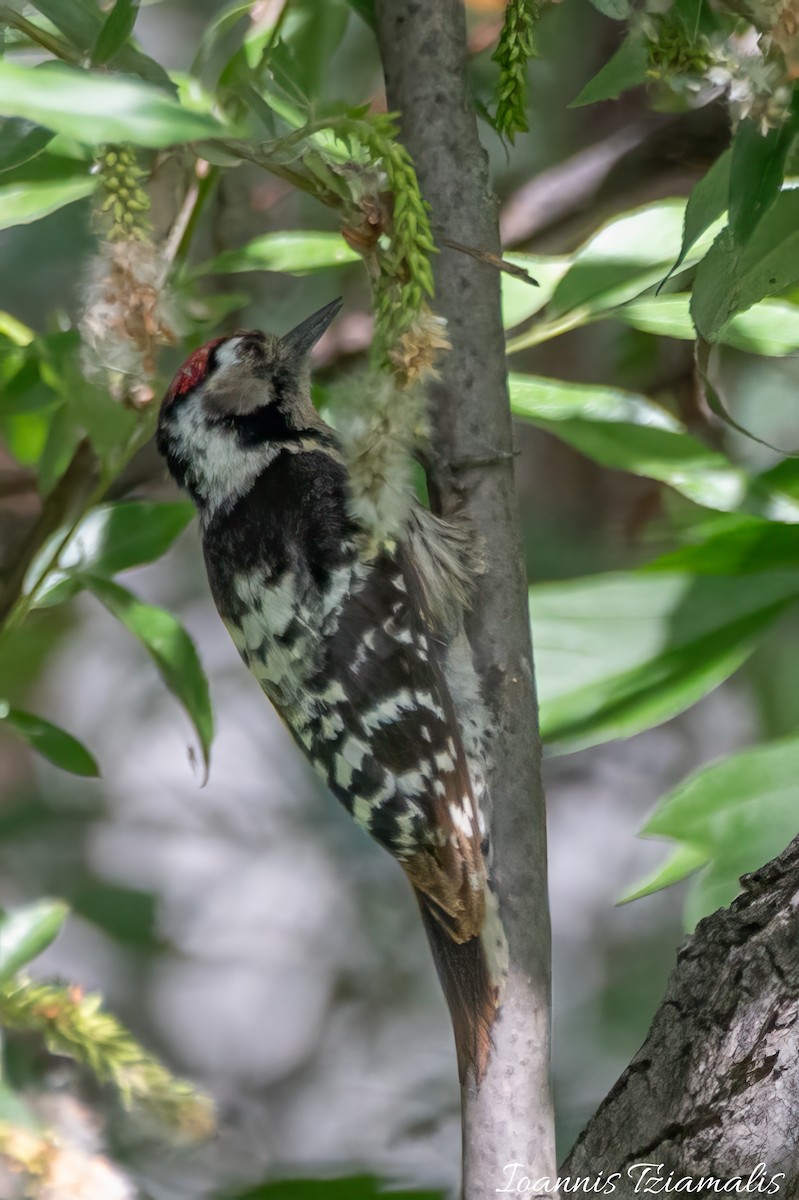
(305, 335)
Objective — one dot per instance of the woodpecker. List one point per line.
(353, 633)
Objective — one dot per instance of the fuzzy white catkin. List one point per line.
(127, 310)
(380, 426)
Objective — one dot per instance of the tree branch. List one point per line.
(66, 499)
(714, 1090)
(423, 48)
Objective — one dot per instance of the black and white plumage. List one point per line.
(351, 631)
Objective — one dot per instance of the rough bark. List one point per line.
(714, 1090)
(423, 48)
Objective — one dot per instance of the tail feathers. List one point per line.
(470, 993)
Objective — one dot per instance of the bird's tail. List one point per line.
(471, 993)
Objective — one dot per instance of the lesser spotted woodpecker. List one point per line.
(351, 633)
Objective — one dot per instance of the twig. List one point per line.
(493, 260)
(67, 498)
(262, 158)
(56, 46)
(179, 226)
(423, 48)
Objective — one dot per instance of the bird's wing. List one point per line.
(386, 738)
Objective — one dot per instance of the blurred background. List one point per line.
(244, 928)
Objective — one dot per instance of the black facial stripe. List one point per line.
(269, 423)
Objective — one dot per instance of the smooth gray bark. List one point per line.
(423, 48)
(714, 1090)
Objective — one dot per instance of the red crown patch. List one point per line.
(193, 371)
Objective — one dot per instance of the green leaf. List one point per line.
(756, 173)
(74, 19)
(520, 301)
(769, 328)
(365, 10)
(54, 744)
(683, 863)
(619, 653)
(114, 32)
(170, 648)
(14, 1110)
(706, 204)
(107, 424)
(664, 316)
(622, 259)
(14, 330)
(750, 544)
(629, 433)
(125, 913)
(617, 10)
(25, 435)
(95, 108)
(734, 815)
(40, 186)
(25, 933)
(619, 262)
(731, 278)
(626, 69)
(111, 538)
(714, 394)
(63, 438)
(292, 252)
(313, 33)
(697, 19)
(81, 24)
(784, 478)
(20, 141)
(363, 1187)
(215, 34)
(259, 38)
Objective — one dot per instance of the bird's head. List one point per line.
(234, 404)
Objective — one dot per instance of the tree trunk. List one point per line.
(714, 1090)
(423, 48)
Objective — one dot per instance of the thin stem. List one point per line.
(258, 156)
(82, 486)
(40, 37)
(205, 187)
(545, 331)
(177, 233)
(66, 497)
